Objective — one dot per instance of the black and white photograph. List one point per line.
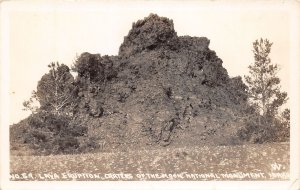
(145, 92)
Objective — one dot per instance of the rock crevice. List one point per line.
(162, 89)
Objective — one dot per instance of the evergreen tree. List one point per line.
(56, 92)
(264, 88)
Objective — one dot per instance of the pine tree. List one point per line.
(264, 88)
(56, 92)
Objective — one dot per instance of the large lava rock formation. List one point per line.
(161, 89)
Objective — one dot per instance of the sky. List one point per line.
(43, 33)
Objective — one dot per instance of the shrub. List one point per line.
(89, 144)
(260, 129)
(50, 133)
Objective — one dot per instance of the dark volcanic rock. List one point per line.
(148, 34)
(161, 89)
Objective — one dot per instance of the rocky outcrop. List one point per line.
(151, 33)
(161, 89)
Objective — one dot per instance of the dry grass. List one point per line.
(219, 160)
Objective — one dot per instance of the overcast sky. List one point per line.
(40, 34)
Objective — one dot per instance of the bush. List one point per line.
(67, 144)
(89, 144)
(53, 134)
(259, 129)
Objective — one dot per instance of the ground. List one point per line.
(243, 162)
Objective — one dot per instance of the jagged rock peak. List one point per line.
(147, 34)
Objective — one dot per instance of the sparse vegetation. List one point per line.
(266, 97)
(161, 90)
(53, 134)
(255, 158)
(263, 83)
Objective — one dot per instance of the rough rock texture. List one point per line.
(160, 90)
(148, 34)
